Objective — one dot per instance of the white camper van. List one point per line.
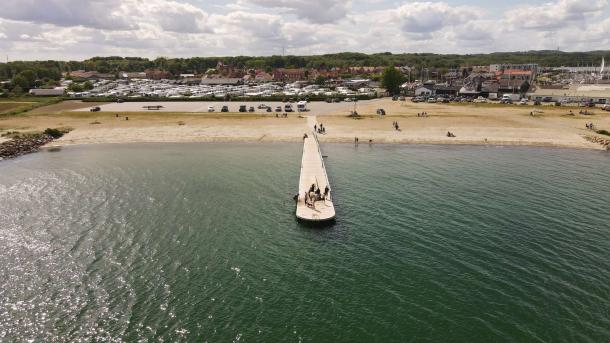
(302, 106)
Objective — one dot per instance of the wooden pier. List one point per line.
(313, 172)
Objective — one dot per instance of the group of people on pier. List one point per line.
(319, 129)
(315, 194)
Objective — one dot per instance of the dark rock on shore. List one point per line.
(599, 140)
(21, 146)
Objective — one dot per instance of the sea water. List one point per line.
(199, 242)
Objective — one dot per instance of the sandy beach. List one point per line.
(184, 122)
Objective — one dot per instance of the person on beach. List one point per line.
(315, 127)
(326, 190)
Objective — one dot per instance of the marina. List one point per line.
(314, 201)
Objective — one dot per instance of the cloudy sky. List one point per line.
(78, 29)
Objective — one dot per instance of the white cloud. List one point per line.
(107, 14)
(102, 14)
(426, 17)
(71, 29)
(556, 15)
(316, 11)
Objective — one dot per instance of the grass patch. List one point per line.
(13, 106)
(53, 132)
(16, 106)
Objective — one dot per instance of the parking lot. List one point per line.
(319, 108)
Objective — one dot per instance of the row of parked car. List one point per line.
(245, 108)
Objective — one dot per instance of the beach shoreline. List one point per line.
(144, 136)
(471, 124)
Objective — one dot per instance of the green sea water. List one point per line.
(199, 242)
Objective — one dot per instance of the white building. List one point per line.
(424, 91)
(59, 91)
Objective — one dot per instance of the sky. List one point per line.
(80, 29)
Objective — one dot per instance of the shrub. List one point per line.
(603, 132)
(55, 133)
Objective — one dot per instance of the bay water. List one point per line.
(199, 242)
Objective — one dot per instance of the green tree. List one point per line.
(525, 86)
(87, 85)
(320, 80)
(17, 90)
(391, 79)
(25, 79)
(75, 87)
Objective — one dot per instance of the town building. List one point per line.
(221, 81)
(289, 75)
(424, 91)
(533, 67)
(599, 94)
(157, 74)
(82, 75)
(59, 91)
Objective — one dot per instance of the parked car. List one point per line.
(224, 109)
(242, 108)
(336, 100)
(278, 109)
(394, 98)
(251, 109)
(537, 103)
(402, 98)
(211, 109)
(287, 108)
(262, 107)
(381, 111)
(95, 109)
(269, 109)
(120, 101)
(480, 100)
(431, 100)
(523, 102)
